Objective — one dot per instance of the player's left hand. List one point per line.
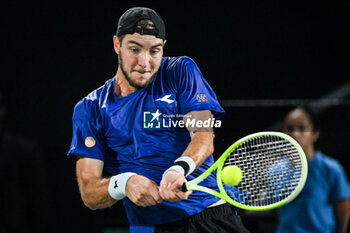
(170, 185)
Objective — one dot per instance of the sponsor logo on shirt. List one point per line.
(201, 98)
(166, 99)
(90, 141)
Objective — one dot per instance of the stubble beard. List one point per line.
(130, 81)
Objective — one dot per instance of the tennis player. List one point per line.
(150, 127)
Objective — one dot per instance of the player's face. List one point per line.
(298, 125)
(139, 57)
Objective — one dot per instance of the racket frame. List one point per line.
(218, 166)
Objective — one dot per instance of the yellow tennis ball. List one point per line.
(231, 175)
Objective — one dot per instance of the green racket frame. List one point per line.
(218, 165)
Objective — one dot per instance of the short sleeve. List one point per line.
(87, 138)
(341, 188)
(194, 92)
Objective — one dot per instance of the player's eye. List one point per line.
(155, 51)
(134, 50)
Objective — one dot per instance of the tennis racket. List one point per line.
(274, 170)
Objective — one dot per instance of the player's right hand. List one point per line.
(142, 191)
(170, 186)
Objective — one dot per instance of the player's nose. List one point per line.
(144, 60)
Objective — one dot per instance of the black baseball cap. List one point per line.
(127, 22)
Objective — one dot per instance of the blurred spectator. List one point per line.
(23, 206)
(323, 204)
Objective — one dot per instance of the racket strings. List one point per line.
(271, 170)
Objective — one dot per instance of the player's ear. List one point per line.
(116, 44)
(164, 43)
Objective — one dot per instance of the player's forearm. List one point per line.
(200, 147)
(94, 193)
(202, 142)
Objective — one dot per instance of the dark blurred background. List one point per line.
(260, 57)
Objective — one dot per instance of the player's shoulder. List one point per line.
(177, 62)
(95, 99)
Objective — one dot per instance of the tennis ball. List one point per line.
(231, 175)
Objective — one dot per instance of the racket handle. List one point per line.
(183, 188)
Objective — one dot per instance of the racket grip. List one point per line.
(183, 188)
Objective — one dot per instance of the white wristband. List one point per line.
(117, 185)
(176, 168)
(184, 165)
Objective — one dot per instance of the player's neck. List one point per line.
(122, 87)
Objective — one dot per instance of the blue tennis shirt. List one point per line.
(312, 210)
(142, 133)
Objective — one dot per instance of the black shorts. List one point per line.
(218, 219)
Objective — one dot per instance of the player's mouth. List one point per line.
(142, 71)
(143, 74)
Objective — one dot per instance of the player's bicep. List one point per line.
(88, 169)
(199, 121)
